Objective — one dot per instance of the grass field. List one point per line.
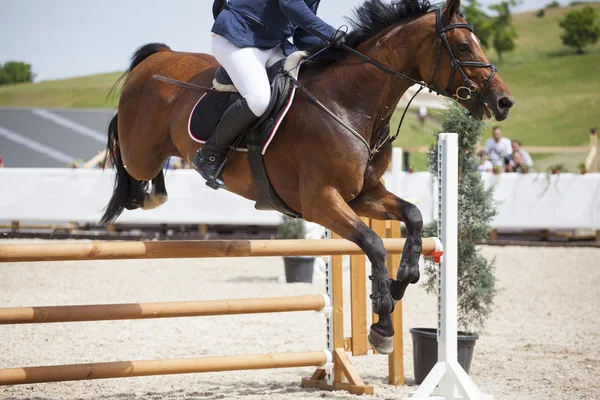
(557, 92)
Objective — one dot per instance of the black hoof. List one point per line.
(381, 344)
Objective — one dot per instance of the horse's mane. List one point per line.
(370, 19)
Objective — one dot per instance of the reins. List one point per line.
(468, 90)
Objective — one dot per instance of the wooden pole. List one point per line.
(337, 301)
(189, 249)
(125, 369)
(396, 359)
(109, 312)
(358, 301)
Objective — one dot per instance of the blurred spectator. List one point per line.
(485, 165)
(422, 115)
(185, 164)
(517, 163)
(1, 162)
(516, 147)
(499, 148)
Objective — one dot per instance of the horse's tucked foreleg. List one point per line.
(380, 204)
(330, 210)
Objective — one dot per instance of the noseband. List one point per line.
(464, 93)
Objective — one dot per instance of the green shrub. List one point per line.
(15, 72)
(291, 228)
(582, 28)
(476, 274)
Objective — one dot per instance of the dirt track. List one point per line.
(542, 341)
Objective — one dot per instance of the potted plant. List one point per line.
(582, 168)
(476, 274)
(297, 269)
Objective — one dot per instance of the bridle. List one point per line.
(457, 65)
(464, 93)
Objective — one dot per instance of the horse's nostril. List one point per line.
(505, 103)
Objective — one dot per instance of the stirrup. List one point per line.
(217, 182)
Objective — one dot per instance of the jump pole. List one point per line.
(127, 369)
(113, 312)
(190, 249)
(447, 374)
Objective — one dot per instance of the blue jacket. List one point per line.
(269, 23)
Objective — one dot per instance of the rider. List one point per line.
(246, 34)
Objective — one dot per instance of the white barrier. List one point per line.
(64, 195)
(532, 201)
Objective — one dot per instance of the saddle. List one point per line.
(210, 107)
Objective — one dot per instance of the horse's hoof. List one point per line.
(381, 344)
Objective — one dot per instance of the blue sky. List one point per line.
(66, 38)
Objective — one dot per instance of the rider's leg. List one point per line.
(246, 67)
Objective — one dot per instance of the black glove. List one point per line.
(338, 39)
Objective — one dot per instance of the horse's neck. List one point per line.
(384, 89)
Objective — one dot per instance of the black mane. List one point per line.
(372, 18)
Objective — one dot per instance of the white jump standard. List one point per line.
(447, 374)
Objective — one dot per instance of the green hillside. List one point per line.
(82, 92)
(557, 92)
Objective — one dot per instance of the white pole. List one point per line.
(447, 374)
(448, 233)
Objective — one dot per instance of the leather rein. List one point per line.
(464, 93)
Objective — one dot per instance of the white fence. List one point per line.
(532, 201)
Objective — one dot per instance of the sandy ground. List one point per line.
(542, 341)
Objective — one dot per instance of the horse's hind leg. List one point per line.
(157, 195)
(380, 204)
(329, 209)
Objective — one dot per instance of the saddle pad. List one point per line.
(210, 107)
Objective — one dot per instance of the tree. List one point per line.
(476, 274)
(503, 29)
(554, 4)
(482, 23)
(582, 28)
(15, 72)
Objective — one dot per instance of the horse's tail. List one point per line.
(124, 194)
(138, 56)
(120, 196)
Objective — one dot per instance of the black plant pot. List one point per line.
(299, 269)
(425, 351)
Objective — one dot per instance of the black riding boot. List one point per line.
(235, 121)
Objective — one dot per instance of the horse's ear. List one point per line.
(453, 7)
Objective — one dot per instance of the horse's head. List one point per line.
(457, 67)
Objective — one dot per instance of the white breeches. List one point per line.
(247, 68)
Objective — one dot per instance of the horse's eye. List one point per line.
(463, 47)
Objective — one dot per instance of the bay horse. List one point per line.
(316, 166)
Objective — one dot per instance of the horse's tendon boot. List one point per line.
(408, 273)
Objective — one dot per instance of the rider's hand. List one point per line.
(338, 39)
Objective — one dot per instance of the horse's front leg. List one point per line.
(329, 209)
(380, 204)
